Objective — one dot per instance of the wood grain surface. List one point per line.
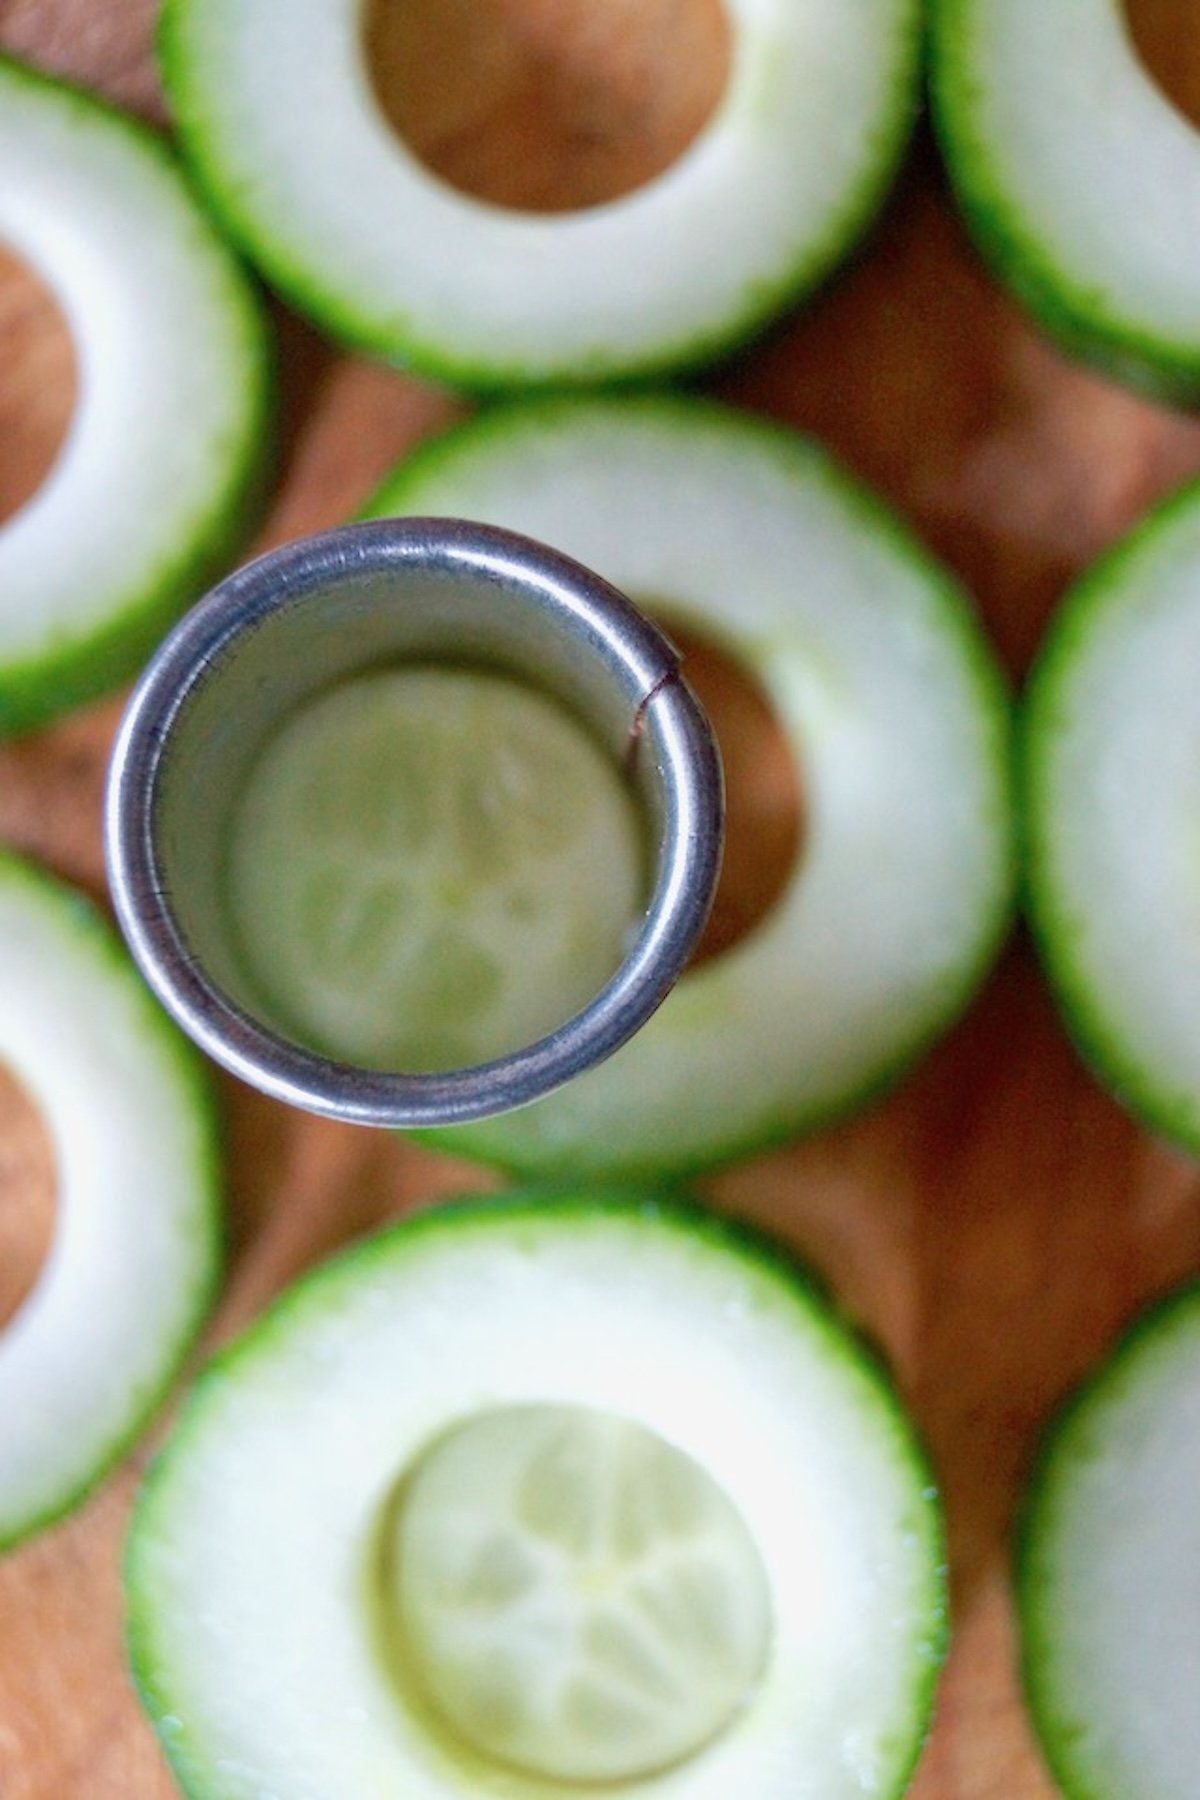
(993, 1222)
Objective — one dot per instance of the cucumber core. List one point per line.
(576, 1597)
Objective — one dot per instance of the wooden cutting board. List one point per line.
(996, 1219)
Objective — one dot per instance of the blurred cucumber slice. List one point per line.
(130, 1273)
(277, 110)
(1109, 1571)
(540, 1496)
(149, 491)
(1111, 756)
(1080, 179)
(432, 866)
(895, 716)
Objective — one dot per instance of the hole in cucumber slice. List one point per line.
(38, 386)
(430, 866)
(28, 1194)
(546, 105)
(1165, 37)
(764, 819)
(571, 1596)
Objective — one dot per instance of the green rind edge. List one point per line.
(40, 688)
(664, 1207)
(1073, 316)
(1047, 1501)
(84, 921)
(1080, 1000)
(495, 424)
(395, 343)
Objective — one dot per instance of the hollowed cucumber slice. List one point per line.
(894, 713)
(1080, 179)
(135, 1256)
(1111, 755)
(1109, 1571)
(554, 1495)
(276, 107)
(149, 490)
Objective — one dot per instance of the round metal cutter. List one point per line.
(286, 628)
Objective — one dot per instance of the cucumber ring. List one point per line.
(134, 1263)
(1109, 750)
(768, 199)
(257, 1572)
(895, 715)
(1080, 180)
(149, 491)
(1110, 1628)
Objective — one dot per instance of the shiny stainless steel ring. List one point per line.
(286, 627)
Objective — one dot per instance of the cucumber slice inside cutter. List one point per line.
(1109, 1571)
(276, 107)
(431, 866)
(130, 1272)
(150, 486)
(254, 1568)
(1080, 179)
(895, 715)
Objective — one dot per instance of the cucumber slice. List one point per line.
(1108, 1571)
(1111, 754)
(536, 1497)
(150, 489)
(134, 1262)
(895, 715)
(352, 227)
(430, 867)
(1079, 178)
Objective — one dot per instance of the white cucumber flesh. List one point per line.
(894, 715)
(432, 866)
(136, 1251)
(1109, 1571)
(1111, 760)
(276, 108)
(559, 1494)
(1080, 178)
(150, 488)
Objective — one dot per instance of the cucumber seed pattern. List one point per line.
(430, 867)
(574, 1595)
